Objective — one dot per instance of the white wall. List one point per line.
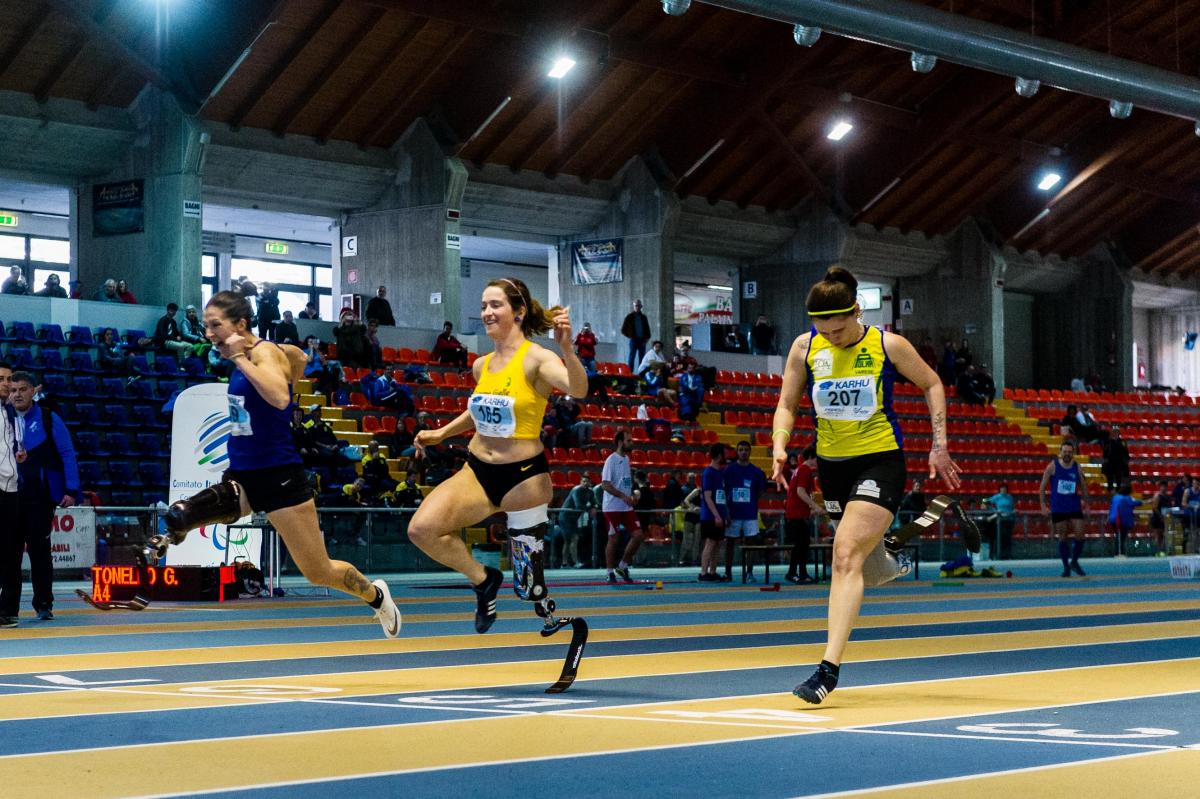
(1170, 364)
(481, 273)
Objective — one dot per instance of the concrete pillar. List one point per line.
(162, 261)
(961, 299)
(403, 237)
(645, 216)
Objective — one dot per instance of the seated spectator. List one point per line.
(15, 282)
(691, 393)
(1078, 386)
(448, 349)
(653, 355)
(657, 378)
(985, 386)
(572, 430)
(166, 332)
(385, 392)
(399, 445)
(108, 292)
(310, 311)
(53, 288)
(1086, 428)
(964, 387)
(191, 330)
(125, 294)
(76, 290)
(325, 448)
(324, 371)
(300, 433)
(374, 348)
(351, 339)
(1004, 519)
(683, 358)
(585, 347)
(285, 331)
(112, 357)
(379, 309)
(378, 484)
(218, 366)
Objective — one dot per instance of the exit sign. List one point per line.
(277, 248)
(8, 220)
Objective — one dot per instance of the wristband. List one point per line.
(235, 356)
(779, 430)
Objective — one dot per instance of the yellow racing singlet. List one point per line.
(851, 393)
(503, 404)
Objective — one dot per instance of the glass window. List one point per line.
(40, 276)
(323, 277)
(206, 292)
(208, 266)
(293, 301)
(12, 247)
(55, 251)
(271, 271)
(325, 306)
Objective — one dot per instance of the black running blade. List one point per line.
(972, 539)
(579, 635)
(137, 603)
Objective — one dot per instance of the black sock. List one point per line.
(481, 587)
(1076, 549)
(1063, 552)
(377, 602)
(832, 668)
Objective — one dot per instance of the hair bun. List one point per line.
(839, 274)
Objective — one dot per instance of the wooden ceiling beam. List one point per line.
(793, 157)
(303, 38)
(132, 59)
(24, 37)
(327, 72)
(618, 153)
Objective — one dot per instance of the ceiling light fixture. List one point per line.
(562, 65)
(923, 63)
(1028, 87)
(1049, 180)
(676, 8)
(1119, 109)
(839, 130)
(806, 35)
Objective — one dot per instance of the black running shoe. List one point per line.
(1066, 571)
(623, 573)
(817, 687)
(485, 599)
(1077, 569)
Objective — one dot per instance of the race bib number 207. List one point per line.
(845, 398)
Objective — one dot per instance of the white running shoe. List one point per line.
(388, 614)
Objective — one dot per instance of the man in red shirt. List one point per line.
(585, 347)
(799, 514)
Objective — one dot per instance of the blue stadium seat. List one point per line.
(113, 387)
(80, 336)
(119, 416)
(140, 364)
(131, 338)
(87, 443)
(152, 474)
(81, 414)
(51, 334)
(4, 335)
(126, 499)
(122, 474)
(193, 366)
(23, 331)
(141, 389)
(87, 386)
(57, 386)
(167, 387)
(91, 476)
(82, 362)
(117, 443)
(20, 357)
(165, 363)
(150, 446)
(147, 417)
(50, 359)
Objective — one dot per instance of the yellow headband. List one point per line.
(833, 313)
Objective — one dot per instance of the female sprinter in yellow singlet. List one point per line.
(506, 466)
(848, 370)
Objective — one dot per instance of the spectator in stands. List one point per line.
(15, 282)
(657, 378)
(380, 309)
(653, 356)
(713, 512)
(325, 448)
(733, 342)
(1120, 514)
(691, 394)
(48, 478)
(310, 311)
(111, 355)
(324, 371)
(965, 386)
(963, 357)
(219, 366)
(762, 336)
(573, 518)
(618, 503)
(1115, 465)
(985, 386)
(1093, 380)
(285, 331)
(1085, 426)
(913, 504)
(801, 515)
(53, 288)
(108, 292)
(673, 493)
(378, 483)
(245, 287)
(385, 391)
(948, 371)
(1158, 520)
(1078, 386)
(744, 487)
(645, 500)
(191, 330)
(585, 347)
(76, 290)
(351, 339)
(268, 311)
(682, 359)
(300, 432)
(448, 349)
(125, 294)
(689, 542)
(1004, 518)
(374, 346)
(1178, 490)
(576, 431)
(424, 422)
(166, 332)
(636, 328)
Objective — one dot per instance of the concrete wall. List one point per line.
(481, 273)
(1019, 356)
(1170, 363)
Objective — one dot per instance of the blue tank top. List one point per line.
(260, 434)
(1063, 488)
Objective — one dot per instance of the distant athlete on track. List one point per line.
(848, 369)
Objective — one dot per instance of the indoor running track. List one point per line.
(1036, 687)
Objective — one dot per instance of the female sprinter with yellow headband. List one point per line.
(848, 369)
(506, 466)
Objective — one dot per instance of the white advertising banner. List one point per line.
(199, 432)
(72, 539)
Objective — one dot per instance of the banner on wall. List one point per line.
(697, 304)
(118, 208)
(595, 262)
(72, 538)
(199, 432)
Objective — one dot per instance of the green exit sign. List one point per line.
(8, 220)
(277, 248)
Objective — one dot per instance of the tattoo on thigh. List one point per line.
(355, 582)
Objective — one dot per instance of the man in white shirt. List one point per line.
(10, 448)
(617, 505)
(655, 355)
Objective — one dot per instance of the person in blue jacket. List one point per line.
(1120, 514)
(48, 478)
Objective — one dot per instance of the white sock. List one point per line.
(624, 565)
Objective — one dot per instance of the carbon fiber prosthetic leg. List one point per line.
(218, 504)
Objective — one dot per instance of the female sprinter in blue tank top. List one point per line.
(506, 466)
(266, 473)
(848, 369)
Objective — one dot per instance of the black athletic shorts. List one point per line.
(711, 531)
(877, 478)
(1055, 518)
(272, 488)
(498, 479)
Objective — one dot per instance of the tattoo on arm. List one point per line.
(354, 582)
(939, 431)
